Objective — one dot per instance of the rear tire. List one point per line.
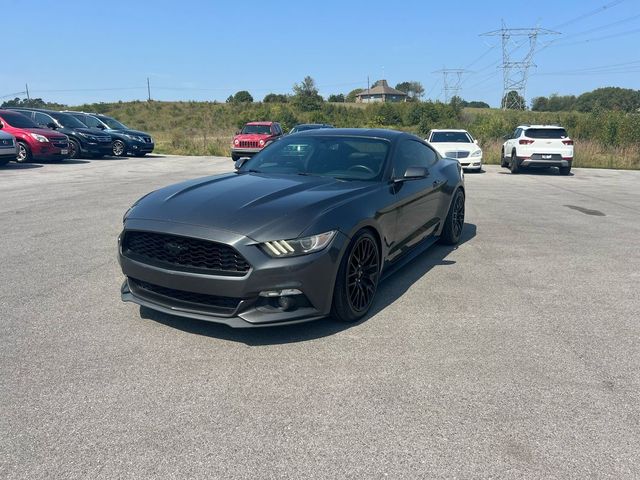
(454, 223)
(24, 153)
(515, 166)
(357, 278)
(503, 161)
(565, 170)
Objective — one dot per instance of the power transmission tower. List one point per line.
(515, 69)
(451, 82)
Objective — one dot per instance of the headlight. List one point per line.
(477, 153)
(134, 137)
(236, 142)
(88, 137)
(40, 138)
(298, 246)
(261, 143)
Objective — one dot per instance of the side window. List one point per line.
(279, 129)
(42, 119)
(89, 121)
(411, 153)
(517, 133)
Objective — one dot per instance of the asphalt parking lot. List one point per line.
(515, 355)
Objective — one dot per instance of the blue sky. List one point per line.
(76, 51)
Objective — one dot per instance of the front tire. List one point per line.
(503, 161)
(119, 148)
(74, 149)
(357, 279)
(24, 153)
(454, 223)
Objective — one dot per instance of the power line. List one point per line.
(515, 72)
(588, 14)
(451, 82)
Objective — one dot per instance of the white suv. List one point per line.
(541, 146)
(458, 144)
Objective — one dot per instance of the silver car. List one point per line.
(8, 150)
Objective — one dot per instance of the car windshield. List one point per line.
(345, 158)
(302, 128)
(450, 137)
(18, 120)
(112, 123)
(68, 121)
(259, 129)
(546, 133)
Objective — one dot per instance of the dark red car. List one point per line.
(33, 143)
(253, 137)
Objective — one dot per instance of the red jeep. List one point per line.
(253, 137)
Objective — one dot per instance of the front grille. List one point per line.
(183, 253)
(60, 143)
(457, 154)
(248, 144)
(225, 305)
(104, 139)
(7, 142)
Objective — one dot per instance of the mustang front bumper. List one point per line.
(304, 282)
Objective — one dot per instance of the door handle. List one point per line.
(437, 183)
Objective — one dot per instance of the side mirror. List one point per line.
(476, 141)
(413, 173)
(240, 162)
(51, 125)
(101, 127)
(237, 132)
(506, 137)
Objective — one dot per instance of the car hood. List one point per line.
(50, 134)
(128, 132)
(262, 207)
(443, 147)
(252, 136)
(91, 131)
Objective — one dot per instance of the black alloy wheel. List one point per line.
(74, 149)
(454, 223)
(358, 277)
(119, 148)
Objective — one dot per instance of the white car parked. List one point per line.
(458, 144)
(8, 149)
(540, 146)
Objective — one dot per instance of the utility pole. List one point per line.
(515, 71)
(26, 87)
(148, 90)
(451, 82)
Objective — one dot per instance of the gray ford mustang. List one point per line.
(305, 229)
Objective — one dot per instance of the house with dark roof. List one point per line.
(381, 93)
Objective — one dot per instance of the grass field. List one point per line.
(603, 140)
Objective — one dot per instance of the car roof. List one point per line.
(540, 126)
(41, 110)
(449, 130)
(260, 123)
(312, 125)
(357, 132)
